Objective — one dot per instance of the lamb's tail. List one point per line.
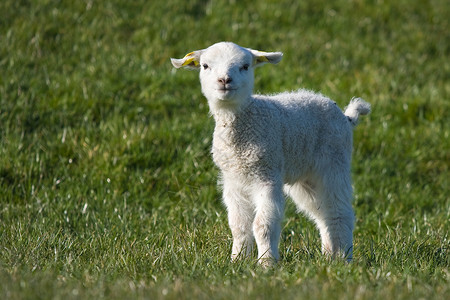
(356, 107)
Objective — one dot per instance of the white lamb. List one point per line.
(297, 142)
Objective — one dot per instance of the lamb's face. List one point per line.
(226, 74)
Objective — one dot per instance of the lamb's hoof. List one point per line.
(267, 262)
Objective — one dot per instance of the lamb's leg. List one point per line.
(335, 217)
(330, 208)
(240, 218)
(337, 235)
(269, 201)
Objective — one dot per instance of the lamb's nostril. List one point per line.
(225, 80)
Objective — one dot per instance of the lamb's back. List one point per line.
(314, 131)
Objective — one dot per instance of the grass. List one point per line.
(107, 186)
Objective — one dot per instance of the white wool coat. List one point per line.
(290, 136)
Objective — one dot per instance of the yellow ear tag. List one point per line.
(261, 59)
(190, 60)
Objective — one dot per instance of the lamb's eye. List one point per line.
(205, 66)
(245, 67)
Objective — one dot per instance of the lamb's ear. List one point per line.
(190, 60)
(260, 57)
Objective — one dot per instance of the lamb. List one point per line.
(297, 144)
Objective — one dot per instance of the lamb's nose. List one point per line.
(225, 80)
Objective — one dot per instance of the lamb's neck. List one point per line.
(225, 115)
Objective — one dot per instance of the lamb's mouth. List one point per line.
(225, 89)
(226, 94)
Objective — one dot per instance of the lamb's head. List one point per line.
(226, 72)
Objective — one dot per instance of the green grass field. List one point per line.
(107, 188)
